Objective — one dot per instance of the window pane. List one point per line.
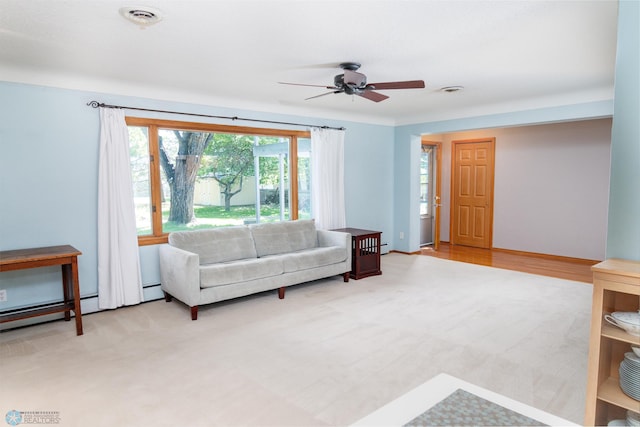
(205, 179)
(139, 152)
(213, 180)
(424, 180)
(273, 171)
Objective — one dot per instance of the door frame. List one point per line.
(491, 176)
(438, 188)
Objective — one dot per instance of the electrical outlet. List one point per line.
(401, 235)
(3, 295)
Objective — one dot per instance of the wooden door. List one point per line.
(472, 192)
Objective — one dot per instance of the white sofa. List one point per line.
(205, 266)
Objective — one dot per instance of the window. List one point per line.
(425, 180)
(195, 175)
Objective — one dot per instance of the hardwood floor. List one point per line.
(546, 265)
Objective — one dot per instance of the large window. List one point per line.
(194, 175)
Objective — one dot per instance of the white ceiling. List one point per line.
(509, 55)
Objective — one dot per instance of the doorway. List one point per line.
(472, 179)
(430, 166)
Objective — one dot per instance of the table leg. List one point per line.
(76, 295)
(66, 289)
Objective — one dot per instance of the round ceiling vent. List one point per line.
(450, 89)
(143, 16)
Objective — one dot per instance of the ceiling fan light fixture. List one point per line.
(451, 89)
(141, 15)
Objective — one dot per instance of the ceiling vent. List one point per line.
(143, 16)
(451, 89)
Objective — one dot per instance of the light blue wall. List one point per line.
(369, 178)
(623, 238)
(406, 234)
(48, 181)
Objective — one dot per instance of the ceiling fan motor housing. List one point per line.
(350, 88)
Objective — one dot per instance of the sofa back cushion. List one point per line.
(216, 244)
(281, 237)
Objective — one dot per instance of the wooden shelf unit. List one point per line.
(616, 287)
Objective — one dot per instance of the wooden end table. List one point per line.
(67, 257)
(365, 252)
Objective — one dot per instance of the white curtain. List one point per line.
(119, 279)
(327, 182)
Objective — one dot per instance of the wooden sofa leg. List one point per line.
(346, 276)
(194, 312)
(167, 297)
(281, 292)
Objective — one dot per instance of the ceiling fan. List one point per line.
(353, 83)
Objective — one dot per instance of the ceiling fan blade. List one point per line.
(323, 94)
(303, 84)
(352, 77)
(373, 96)
(409, 84)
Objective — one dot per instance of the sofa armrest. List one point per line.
(333, 238)
(336, 238)
(180, 274)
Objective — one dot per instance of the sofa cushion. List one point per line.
(216, 244)
(283, 237)
(313, 258)
(227, 273)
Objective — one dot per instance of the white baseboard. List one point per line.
(87, 305)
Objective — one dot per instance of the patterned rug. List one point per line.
(448, 401)
(462, 408)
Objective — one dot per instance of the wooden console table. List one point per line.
(365, 252)
(67, 257)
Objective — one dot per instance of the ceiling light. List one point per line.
(450, 89)
(143, 16)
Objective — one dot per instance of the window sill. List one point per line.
(152, 240)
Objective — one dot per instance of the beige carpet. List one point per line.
(329, 354)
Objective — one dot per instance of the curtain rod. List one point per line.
(96, 104)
